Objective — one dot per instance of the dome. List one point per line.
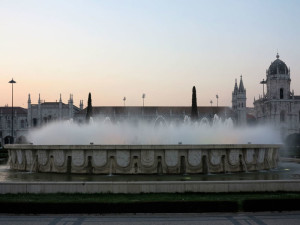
(282, 68)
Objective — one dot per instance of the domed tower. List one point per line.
(279, 107)
(278, 80)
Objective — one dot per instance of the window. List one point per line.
(282, 116)
(8, 124)
(34, 122)
(281, 93)
(22, 124)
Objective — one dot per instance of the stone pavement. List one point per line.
(274, 218)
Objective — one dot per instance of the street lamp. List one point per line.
(12, 82)
(124, 99)
(211, 102)
(143, 96)
(217, 96)
(263, 82)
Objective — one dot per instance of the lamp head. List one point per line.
(12, 81)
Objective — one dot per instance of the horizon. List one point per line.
(117, 49)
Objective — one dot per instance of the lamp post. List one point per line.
(124, 99)
(217, 96)
(263, 82)
(143, 96)
(12, 82)
(211, 102)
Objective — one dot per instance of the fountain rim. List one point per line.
(142, 146)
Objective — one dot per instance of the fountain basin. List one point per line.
(142, 159)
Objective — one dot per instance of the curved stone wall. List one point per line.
(142, 159)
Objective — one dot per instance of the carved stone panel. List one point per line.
(194, 157)
(59, 157)
(270, 154)
(42, 157)
(171, 157)
(215, 157)
(249, 155)
(147, 157)
(261, 155)
(123, 158)
(28, 155)
(99, 158)
(13, 156)
(78, 157)
(234, 157)
(19, 156)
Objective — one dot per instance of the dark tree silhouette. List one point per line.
(89, 109)
(194, 114)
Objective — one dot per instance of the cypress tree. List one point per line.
(89, 109)
(194, 114)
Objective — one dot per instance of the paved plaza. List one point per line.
(276, 218)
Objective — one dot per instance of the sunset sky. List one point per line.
(162, 48)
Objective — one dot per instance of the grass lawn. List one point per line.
(133, 198)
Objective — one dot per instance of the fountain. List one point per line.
(159, 148)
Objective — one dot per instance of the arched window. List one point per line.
(281, 93)
(282, 116)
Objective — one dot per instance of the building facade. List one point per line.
(278, 106)
(45, 112)
(13, 125)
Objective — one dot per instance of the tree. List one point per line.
(89, 109)
(194, 114)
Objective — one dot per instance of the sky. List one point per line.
(124, 48)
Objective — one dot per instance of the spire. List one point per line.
(39, 99)
(241, 87)
(60, 98)
(71, 99)
(235, 90)
(29, 99)
(277, 56)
